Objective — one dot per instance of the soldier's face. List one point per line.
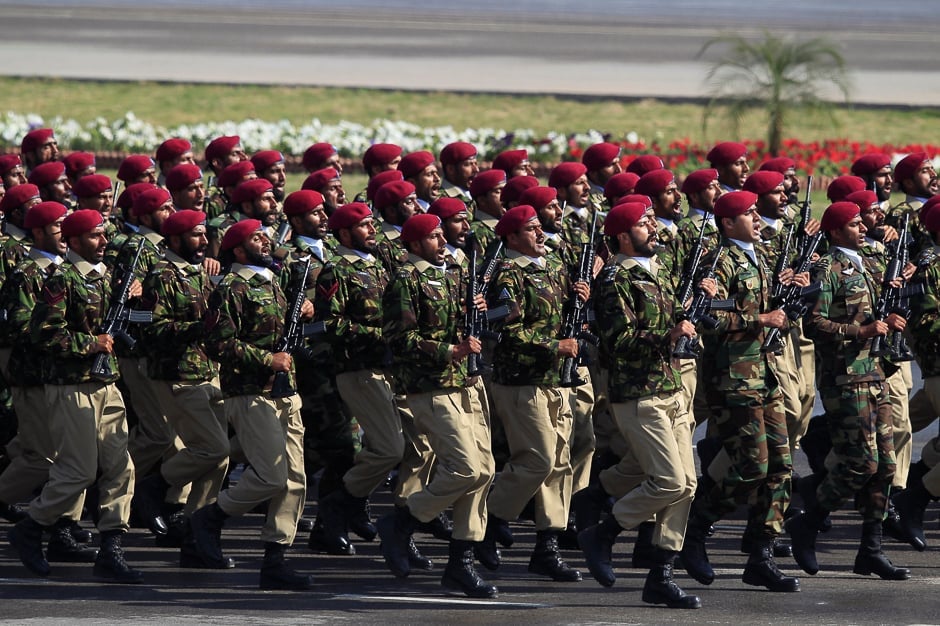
(852, 235)
(405, 209)
(773, 205)
(361, 236)
(577, 193)
(602, 175)
(924, 182)
(16, 176)
(192, 197)
(550, 217)
(744, 227)
(159, 216)
(313, 223)
(193, 245)
(734, 174)
(491, 202)
(427, 184)
(463, 173)
(431, 248)
(668, 203)
(88, 171)
(277, 176)
(791, 183)
(524, 168)
(90, 245)
(874, 219)
(257, 249)
(385, 167)
(455, 229)
(149, 175)
(529, 240)
(705, 200)
(642, 237)
(49, 151)
(265, 208)
(884, 180)
(59, 191)
(333, 194)
(103, 203)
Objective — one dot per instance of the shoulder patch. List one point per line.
(327, 293)
(53, 294)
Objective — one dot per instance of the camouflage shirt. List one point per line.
(216, 203)
(423, 310)
(389, 248)
(13, 250)
(67, 319)
(925, 321)
(911, 205)
(152, 251)
(484, 227)
(243, 325)
(177, 293)
(349, 301)
(575, 229)
(676, 256)
(845, 303)
(635, 313)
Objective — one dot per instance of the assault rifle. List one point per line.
(793, 299)
(118, 317)
(577, 316)
(896, 299)
(476, 322)
(690, 271)
(292, 338)
(699, 313)
(806, 213)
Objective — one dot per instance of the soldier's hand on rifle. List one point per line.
(281, 362)
(598, 266)
(568, 347)
(583, 290)
(896, 322)
(877, 327)
(213, 267)
(890, 234)
(908, 272)
(103, 343)
(787, 277)
(306, 310)
(465, 347)
(479, 302)
(685, 328)
(812, 227)
(136, 289)
(774, 319)
(709, 286)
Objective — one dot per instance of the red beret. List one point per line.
(419, 226)
(927, 208)
(564, 174)
(538, 197)
(77, 162)
(654, 183)
(392, 193)
(239, 232)
(486, 181)
(349, 215)
(620, 184)
(726, 153)
(600, 155)
(43, 214)
(266, 158)
(317, 180)
(445, 207)
(508, 159)
(220, 147)
(864, 199)
(47, 173)
(134, 166)
(173, 148)
(515, 186)
(385, 176)
(235, 173)
(622, 217)
(645, 163)
(414, 163)
(734, 204)
(316, 155)
(36, 139)
(838, 214)
(698, 181)
(17, 196)
(90, 186)
(8, 162)
(778, 164)
(380, 154)
(456, 152)
(763, 182)
(127, 197)
(841, 186)
(149, 201)
(868, 164)
(302, 202)
(182, 222)
(515, 218)
(907, 166)
(251, 190)
(931, 218)
(637, 197)
(81, 222)
(182, 176)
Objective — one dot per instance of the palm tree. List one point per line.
(780, 74)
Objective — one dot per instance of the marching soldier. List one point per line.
(602, 161)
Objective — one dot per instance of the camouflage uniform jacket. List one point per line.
(484, 227)
(116, 243)
(152, 252)
(574, 229)
(635, 313)
(349, 301)
(675, 257)
(18, 298)
(450, 190)
(389, 248)
(67, 319)
(14, 249)
(559, 251)
(845, 303)
(177, 293)
(925, 321)
(911, 205)
(423, 310)
(667, 234)
(243, 325)
(528, 351)
(215, 204)
(216, 227)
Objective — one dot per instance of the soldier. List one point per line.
(422, 308)
(486, 190)
(222, 152)
(376, 182)
(645, 163)
(378, 158)
(269, 164)
(509, 197)
(730, 159)
(79, 165)
(570, 179)
(875, 170)
(637, 315)
(602, 161)
(11, 171)
(137, 168)
(746, 403)
(129, 222)
(842, 186)
(171, 153)
(787, 167)
(322, 155)
(618, 186)
(184, 379)
(94, 191)
(52, 182)
(455, 228)
(86, 412)
(526, 375)
(39, 146)
(15, 207)
(513, 163)
(660, 186)
(459, 163)
(242, 328)
(185, 184)
(327, 182)
(917, 179)
(851, 384)
(396, 202)
(419, 169)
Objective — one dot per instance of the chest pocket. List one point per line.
(650, 304)
(548, 296)
(264, 310)
(857, 296)
(91, 300)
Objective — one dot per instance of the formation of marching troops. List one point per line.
(503, 348)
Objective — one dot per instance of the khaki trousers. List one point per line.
(583, 441)
(459, 433)
(805, 354)
(538, 426)
(898, 389)
(417, 460)
(369, 399)
(89, 433)
(196, 413)
(271, 435)
(660, 435)
(926, 402)
(152, 438)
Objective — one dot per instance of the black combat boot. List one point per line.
(329, 530)
(207, 525)
(395, 532)
(276, 574)
(12, 513)
(694, 557)
(548, 562)
(803, 530)
(568, 538)
(417, 560)
(189, 556)
(761, 569)
(110, 565)
(588, 504)
(893, 527)
(779, 548)
(149, 495)
(816, 444)
(597, 543)
(643, 549)
(871, 560)
(460, 575)
(502, 533)
(79, 534)
(440, 527)
(63, 548)
(26, 539)
(911, 504)
(360, 519)
(486, 551)
(177, 526)
(660, 588)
